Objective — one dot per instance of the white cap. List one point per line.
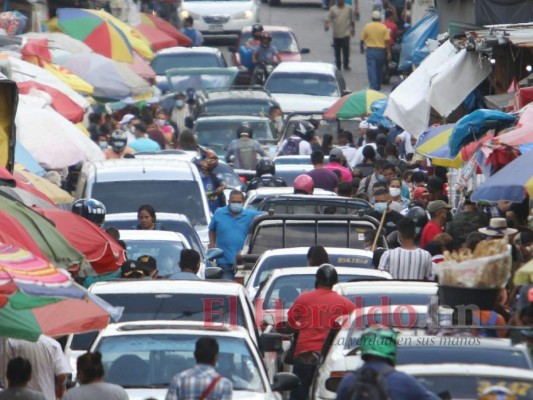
(364, 124)
(376, 15)
(126, 119)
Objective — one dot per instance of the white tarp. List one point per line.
(442, 81)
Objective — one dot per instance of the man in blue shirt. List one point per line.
(378, 350)
(228, 230)
(189, 265)
(192, 33)
(142, 141)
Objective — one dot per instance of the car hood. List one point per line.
(303, 102)
(159, 394)
(216, 7)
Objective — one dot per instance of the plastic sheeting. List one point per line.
(414, 48)
(492, 12)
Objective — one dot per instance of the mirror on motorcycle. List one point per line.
(305, 51)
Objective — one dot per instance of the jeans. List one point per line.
(342, 44)
(375, 61)
(305, 372)
(227, 271)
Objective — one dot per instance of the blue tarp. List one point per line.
(414, 48)
(377, 118)
(22, 156)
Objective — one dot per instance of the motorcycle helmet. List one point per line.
(244, 129)
(304, 130)
(379, 342)
(304, 184)
(266, 36)
(327, 275)
(257, 29)
(119, 140)
(419, 216)
(90, 209)
(265, 166)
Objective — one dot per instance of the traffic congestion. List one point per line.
(214, 200)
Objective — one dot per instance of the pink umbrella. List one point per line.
(141, 68)
(523, 132)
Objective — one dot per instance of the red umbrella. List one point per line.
(523, 132)
(13, 232)
(100, 249)
(10, 180)
(142, 68)
(60, 101)
(157, 38)
(167, 27)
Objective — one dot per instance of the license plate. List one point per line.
(216, 27)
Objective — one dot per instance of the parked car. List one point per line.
(256, 196)
(306, 86)
(144, 356)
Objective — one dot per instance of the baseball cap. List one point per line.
(130, 269)
(437, 205)
(420, 191)
(147, 263)
(376, 14)
(126, 119)
(335, 154)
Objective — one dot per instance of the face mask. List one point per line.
(179, 103)
(381, 178)
(380, 207)
(235, 207)
(161, 122)
(395, 192)
(103, 145)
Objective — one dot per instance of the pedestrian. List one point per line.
(391, 25)
(125, 125)
(103, 138)
(246, 52)
(376, 38)
(142, 141)
(399, 203)
(322, 178)
(276, 117)
(470, 219)
(342, 19)
(189, 265)
(192, 33)
(147, 218)
(187, 141)
(382, 204)
(243, 152)
(202, 381)
(367, 184)
(327, 143)
(119, 146)
(18, 375)
(369, 161)
(344, 141)
(336, 157)
(50, 367)
(214, 184)
(297, 143)
(440, 214)
(317, 255)
(312, 316)
(91, 378)
(369, 140)
(153, 130)
(180, 111)
(407, 262)
(265, 176)
(378, 348)
(228, 230)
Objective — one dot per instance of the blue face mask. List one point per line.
(380, 207)
(235, 207)
(381, 178)
(103, 145)
(179, 103)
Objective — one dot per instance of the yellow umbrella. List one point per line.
(82, 128)
(55, 193)
(72, 80)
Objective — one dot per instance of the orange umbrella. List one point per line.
(162, 25)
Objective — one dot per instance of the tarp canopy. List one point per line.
(503, 12)
(442, 81)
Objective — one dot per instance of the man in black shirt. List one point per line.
(382, 202)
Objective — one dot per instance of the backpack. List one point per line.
(369, 384)
(246, 154)
(291, 147)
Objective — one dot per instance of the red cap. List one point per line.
(420, 192)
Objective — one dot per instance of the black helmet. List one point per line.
(119, 140)
(90, 209)
(257, 29)
(419, 216)
(265, 166)
(266, 35)
(244, 129)
(327, 275)
(304, 130)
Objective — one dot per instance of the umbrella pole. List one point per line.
(380, 227)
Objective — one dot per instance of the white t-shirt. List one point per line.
(405, 137)
(96, 391)
(349, 153)
(359, 158)
(407, 264)
(304, 146)
(47, 361)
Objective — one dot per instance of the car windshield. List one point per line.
(376, 299)
(302, 83)
(198, 81)
(166, 253)
(241, 106)
(300, 260)
(286, 289)
(152, 360)
(181, 197)
(164, 62)
(231, 178)
(469, 387)
(284, 41)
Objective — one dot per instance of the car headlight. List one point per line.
(248, 14)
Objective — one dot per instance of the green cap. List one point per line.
(379, 342)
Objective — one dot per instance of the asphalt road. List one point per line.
(306, 20)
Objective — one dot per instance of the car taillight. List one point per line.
(243, 179)
(334, 380)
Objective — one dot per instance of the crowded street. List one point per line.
(266, 200)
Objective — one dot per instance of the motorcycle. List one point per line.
(261, 72)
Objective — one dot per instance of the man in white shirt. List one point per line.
(343, 139)
(403, 140)
(370, 140)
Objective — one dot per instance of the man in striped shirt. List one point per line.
(407, 262)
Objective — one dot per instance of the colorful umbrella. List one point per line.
(141, 68)
(97, 31)
(50, 190)
(353, 105)
(522, 133)
(18, 236)
(22, 156)
(433, 143)
(38, 298)
(60, 41)
(510, 183)
(13, 181)
(158, 39)
(165, 26)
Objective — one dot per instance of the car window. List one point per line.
(376, 299)
(286, 289)
(284, 41)
(166, 253)
(469, 387)
(182, 197)
(302, 83)
(164, 62)
(144, 360)
(231, 178)
(237, 107)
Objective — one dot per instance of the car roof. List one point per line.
(459, 369)
(161, 216)
(145, 235)
(304, 250)
(235, 94)
(269, 28)
(340, 270)
(166, 286)
(267, 191)
(166, 327)
(386, 287)
(188, 50)
(239, 118)
(304, 66)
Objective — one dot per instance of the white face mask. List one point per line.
(161, 122)
(395, 192)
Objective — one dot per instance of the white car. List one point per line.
(256, 196)
(297, 257)
(466, 381)
(305, 86)
(217, 17)
(144, 356)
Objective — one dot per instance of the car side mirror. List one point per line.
(214, 253)
(346, 91)
(270, 342)
(213, 273)
(285, 381)
(305, 51)
(231, 49)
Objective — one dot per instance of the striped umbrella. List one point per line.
(353, 105)
(159, 23)
(433, 143)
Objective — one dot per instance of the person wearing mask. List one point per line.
(125, 124)
(343, 139)
(192, 33)
(214, 184)
(382, 204)
(189, 265)
(143, 142)
(103, 140)
(440, 214)
(147, 218)
(336, 157)
(154, 130)
(243, 152)
(370, 140)
(265, 176)
(376, 38)
(276, 117)
(180, 112)
(312, 328)
(342, 19)
(322, 178)
(119, 148)
(201, 381)
(18, 375)
(368, 183)
(91, 378)
(228, 230)
(399, 203)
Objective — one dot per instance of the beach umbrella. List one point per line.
(165, 26)
(22, 156)
(50, 190)
(158, 39)
(38, 298)
(353, 105)
(27, 198)
(60, 41)
(18, 236)
(9, 179)
(140, 67)
(522, 134)
(433, 143)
